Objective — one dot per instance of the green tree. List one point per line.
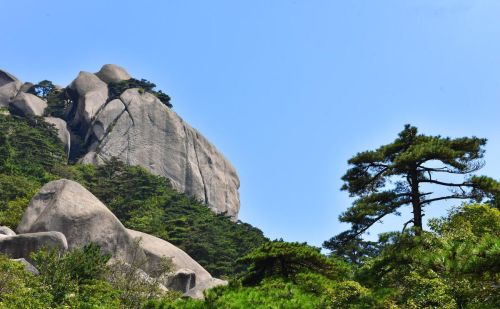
(409, 171)
(287, 260)
(454, 265)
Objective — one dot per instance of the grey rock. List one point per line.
(65, 206)
(147, 133)
(6, 78)
(92, 95)
(182, 280)
(29, 104)
(113, 73)
(21, 246)
(197, 292)
(5, 231)
(105, 119)
(185, 269)
(9, 87)
(28, 266)
(62, 131)
(25, 87)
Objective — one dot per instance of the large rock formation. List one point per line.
(65, 206)
(140, 130)
(62, 131)
(189, 276)
(29, 104)
(21, 246)
(92, 95)
(5, 231)
(112, 73)
(9, 87)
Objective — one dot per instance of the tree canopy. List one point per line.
(412, 170)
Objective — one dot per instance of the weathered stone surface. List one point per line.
(21, 246)
(28, 266)
(197, 292)
(182, 280)
(5, 231)
(112, 73)
(106, 118)
(65, 206)
(29, 104)
(62, 131)
(156, 249)
(9, 87)
(25, 87)
(92, 94)
(147, 133)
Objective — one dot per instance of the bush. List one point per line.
(288, 260)
(19, 288)
(29, 147)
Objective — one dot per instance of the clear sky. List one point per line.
(287, 90)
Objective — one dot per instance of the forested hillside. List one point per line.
(455, 263)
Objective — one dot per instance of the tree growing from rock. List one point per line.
(412, 170)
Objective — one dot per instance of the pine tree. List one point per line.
(409, 171)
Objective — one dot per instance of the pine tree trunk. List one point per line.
(415, 200)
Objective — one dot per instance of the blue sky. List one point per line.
(287, 90)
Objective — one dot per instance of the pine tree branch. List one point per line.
(464, 184)
(445, 198)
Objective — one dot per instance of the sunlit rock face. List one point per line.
(140, 130)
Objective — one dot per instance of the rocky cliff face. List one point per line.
(140, 130)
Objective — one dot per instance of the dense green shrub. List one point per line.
(80, 278)
(453, 265)
(29, 147)
(288, 259)
(19, 288)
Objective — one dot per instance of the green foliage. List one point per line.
(79, 278)
(15, 194)
(148, 203)
(29, 151)
(116, 89)
(353, 250)
(19, 288)
(69, 275)
(287, 260)
(454, 265)
(29, 147)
